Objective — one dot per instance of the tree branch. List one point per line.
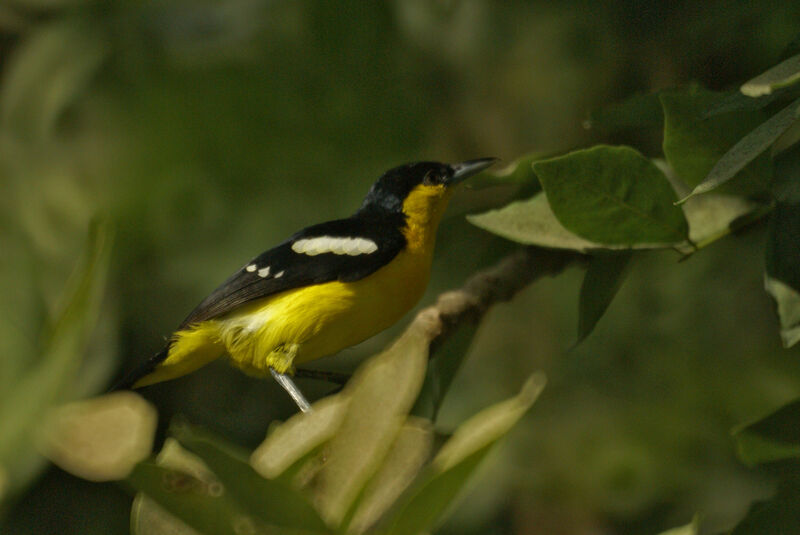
(492, 285)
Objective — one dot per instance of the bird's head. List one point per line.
(419, 190)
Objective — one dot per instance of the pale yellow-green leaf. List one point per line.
(408, 454)
(710, 215)
(531, 222)
(689, 529)
(423, 507)
(783, 74)
(382, 391)
(176, 457)
(488, 425)
(788, 303)
(100, 439)
(298, 436)
(149, 518)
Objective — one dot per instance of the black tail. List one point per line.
(140, 371)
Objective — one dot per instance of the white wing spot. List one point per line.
(251, 268)
(279, 274)
(338, 246)
(263, 273)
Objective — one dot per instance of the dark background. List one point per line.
(208, 131)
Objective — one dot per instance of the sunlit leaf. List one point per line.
(693, 144)
(772, 438)
(787, 300)
(270, 501)
(601, 283)
(612, 195)
(373, 418)
(410, 451)
(457, 460)
(783, 74)
(782, 277)
(748, 148)
(290, 441)
(532, 222)
(711, 216)
(688, 529)
(100, 439)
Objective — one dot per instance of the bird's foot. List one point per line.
(286, 382)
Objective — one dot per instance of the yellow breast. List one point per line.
(308, 323)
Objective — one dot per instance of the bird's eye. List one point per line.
(432, 178)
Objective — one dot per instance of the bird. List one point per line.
(325, 288)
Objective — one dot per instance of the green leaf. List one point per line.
(532, 222)
(748, 148)
(777, 516)
(498, 187)
(772, 438)
(457, 460)
(202, 505)
(601, 283)
(694, 144)
(612, 195)
(270, 501)
(783, 74)
(783, 269)
(736, 101)
(47, 382)
(637, 111)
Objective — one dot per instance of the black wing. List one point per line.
(288, 269)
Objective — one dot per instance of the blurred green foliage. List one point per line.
(208, 131)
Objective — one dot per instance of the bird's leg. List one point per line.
(286, 382)
(323, 375)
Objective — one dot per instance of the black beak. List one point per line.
(464, 170)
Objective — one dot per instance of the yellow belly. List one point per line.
(297, 326)
(300, 325)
